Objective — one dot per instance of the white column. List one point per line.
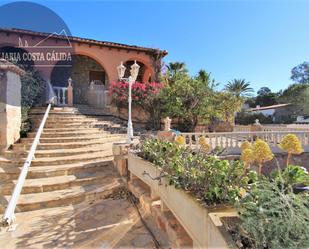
(130, 126)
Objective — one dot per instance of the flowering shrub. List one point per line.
(208, 178)
(291, 144)
(261, 153)
(245, 145)
(180, 140)
(204, 145)
(141, 92)
(247, 157)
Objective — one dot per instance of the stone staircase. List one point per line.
(73, 162)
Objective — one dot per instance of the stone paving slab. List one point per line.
(105, 224)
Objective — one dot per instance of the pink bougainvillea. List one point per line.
(141, 92)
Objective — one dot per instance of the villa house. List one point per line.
(59, 57)
(278, 113)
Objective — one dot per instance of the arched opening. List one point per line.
(83, 71)
(142, 71)
(17, 56)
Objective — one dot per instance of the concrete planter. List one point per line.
(144, 170)
(202, 223)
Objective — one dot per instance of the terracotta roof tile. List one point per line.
(269, 107)
(89, 41)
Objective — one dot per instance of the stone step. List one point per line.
(39, 185)
(81, 125)
(72, 121)
(58, 152)
(68, 117)
(61, 134)
(72, 111)
(9, 172)
(49, 161)
(65, 197)
(68, 129)
(69, 139)
(69, 145)
(76, 122)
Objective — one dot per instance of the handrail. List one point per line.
(9, 217)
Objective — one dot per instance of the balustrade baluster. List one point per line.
(221, 141)
(216, 141)
(301, 138)
(196, 138)
(210, 141)
(64, 98)
(58, 96)
(226, 141)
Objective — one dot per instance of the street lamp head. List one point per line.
(134, 70)
(121, 70)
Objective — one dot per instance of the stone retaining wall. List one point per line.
(149, 201)
(10, 104)
(185, 220)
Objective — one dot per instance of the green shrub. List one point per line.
(244, 118)
(32, 87)
(210, 179)
(291, 176)
(274, 217)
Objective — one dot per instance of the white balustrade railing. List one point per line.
(241, 128)
(227, 140)
(9, 217)
(61, 95)
(291, 128)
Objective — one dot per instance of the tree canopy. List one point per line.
(265, 97)
(300, 73)
(298, 95)
(193, 100)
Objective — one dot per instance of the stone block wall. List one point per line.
(138, 114)
(10, 104)
(150, 202)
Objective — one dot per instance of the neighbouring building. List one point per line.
(91, 64)
(302, 120)
(278, 113)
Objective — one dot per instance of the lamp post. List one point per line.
(131, 79)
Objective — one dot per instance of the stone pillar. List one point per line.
(120, 152)
(256, 126)
(70, 92)
(166, 134)
(167, 124)
(10, 103)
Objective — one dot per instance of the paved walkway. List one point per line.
(110, 223)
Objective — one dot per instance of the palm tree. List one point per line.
(239, 88)
(176, 67)
(203, 76)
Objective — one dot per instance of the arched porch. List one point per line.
(89, 80)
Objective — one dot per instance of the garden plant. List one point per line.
(271, 214)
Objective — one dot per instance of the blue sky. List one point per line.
(257, 40)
